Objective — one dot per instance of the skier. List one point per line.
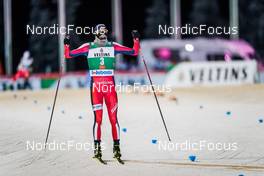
(101, 62)
(24, 68)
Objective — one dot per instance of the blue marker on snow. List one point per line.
(124, 130)
(228, 113)
(192, 158)
(154, 141)
(260, 120)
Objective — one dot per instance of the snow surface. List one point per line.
(198, 114)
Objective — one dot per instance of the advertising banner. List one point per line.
(212, 74)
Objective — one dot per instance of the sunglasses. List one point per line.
(102, 30)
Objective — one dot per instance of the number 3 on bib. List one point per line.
(101, 61)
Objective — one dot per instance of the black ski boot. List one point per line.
(117, 152)
(98, 152)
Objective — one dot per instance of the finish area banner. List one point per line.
(188, 74)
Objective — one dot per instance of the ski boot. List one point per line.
(117, 152)
(98, 153)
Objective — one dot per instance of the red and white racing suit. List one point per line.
(103, 89)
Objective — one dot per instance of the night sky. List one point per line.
(94, 12)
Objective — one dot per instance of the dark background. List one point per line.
(143, 15)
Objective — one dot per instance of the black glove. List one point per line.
(67, 40)
(135, 34)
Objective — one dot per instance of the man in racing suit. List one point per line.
(101, 62)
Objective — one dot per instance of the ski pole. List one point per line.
(53, 107)
(156, 98)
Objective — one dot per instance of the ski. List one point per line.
(119, 160)
(100, 160)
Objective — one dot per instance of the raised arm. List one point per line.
(81, 51)
(120, 49)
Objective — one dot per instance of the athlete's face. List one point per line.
(102, 33)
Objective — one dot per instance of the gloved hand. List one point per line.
(67, 40)
(135, 34)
